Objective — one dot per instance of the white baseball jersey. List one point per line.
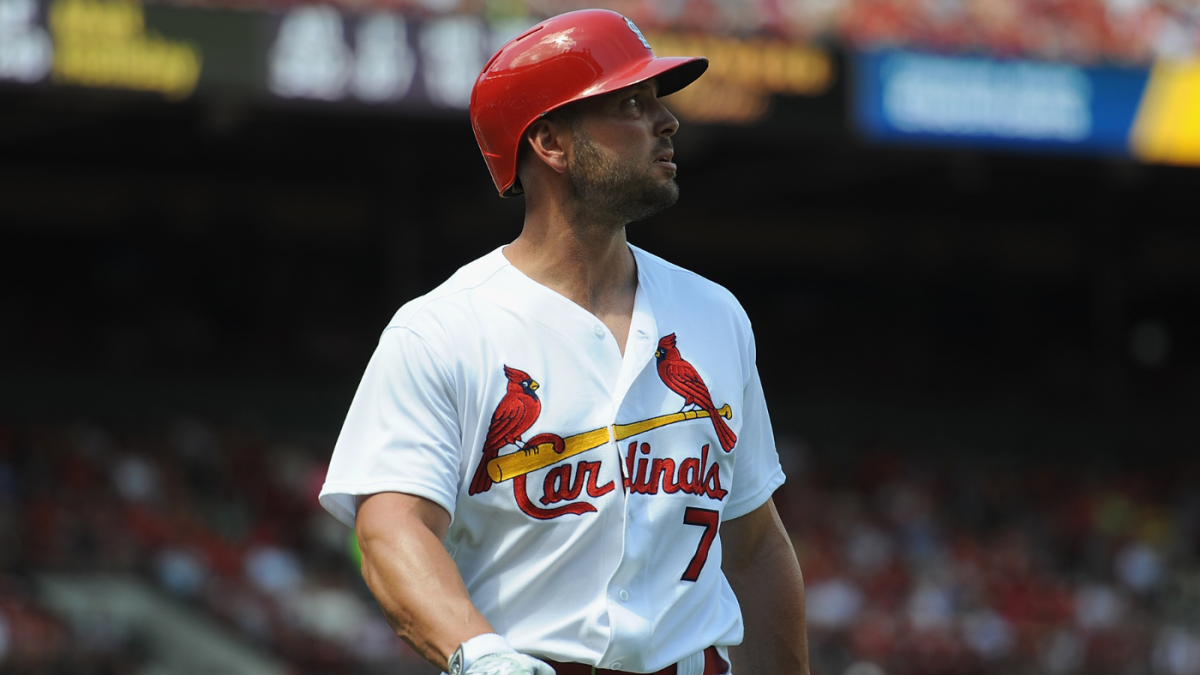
(586, 488)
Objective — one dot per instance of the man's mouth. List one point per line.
(664, 159)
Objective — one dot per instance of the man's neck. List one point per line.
(591, 265)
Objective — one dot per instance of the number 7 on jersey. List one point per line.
(709, 519)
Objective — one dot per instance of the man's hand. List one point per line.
(509, 663)
(490, 654)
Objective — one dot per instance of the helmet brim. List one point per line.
(673, 73)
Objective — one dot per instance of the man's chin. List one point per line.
(662, 197)
(627, 200)
(670, 193)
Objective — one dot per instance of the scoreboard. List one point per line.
(384, 59)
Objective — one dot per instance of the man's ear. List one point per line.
(549, 139)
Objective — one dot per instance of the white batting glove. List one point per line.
(490, 654)
(509, 663)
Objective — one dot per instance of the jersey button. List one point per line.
(598, 330)
(616, 665)
(624, 595)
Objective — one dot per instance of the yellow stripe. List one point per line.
(521, 462)
(1167, 128)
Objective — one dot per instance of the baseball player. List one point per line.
(560, 460)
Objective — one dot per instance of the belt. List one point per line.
(713, 665)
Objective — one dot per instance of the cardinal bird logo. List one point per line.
(681, 378)
(518, 410)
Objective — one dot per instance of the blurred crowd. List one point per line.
(1082, 31)
(970, 566)
(221, 519)
(913, 563)
(1086, 31)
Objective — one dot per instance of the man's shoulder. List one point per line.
(677, 280)
(450, 293)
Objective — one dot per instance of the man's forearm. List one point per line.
(412, 577)
(770, 590)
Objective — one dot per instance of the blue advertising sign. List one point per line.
(933, 99)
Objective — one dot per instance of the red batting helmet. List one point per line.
(561, 60)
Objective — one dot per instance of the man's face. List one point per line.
(621, 151)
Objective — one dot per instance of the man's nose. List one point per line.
(668, 124)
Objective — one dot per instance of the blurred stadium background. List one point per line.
(965, 230)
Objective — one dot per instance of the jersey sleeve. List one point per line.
(757, 473)
(401, 433)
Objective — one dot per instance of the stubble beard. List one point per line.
(605, 190)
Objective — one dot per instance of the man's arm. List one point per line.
(760, 564)
(413, 577)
